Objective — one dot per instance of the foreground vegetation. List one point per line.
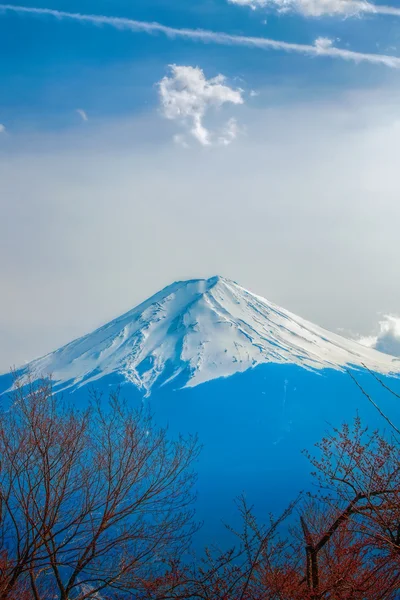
(98, 504)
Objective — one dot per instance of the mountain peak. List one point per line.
(202, 329)
(219, 279)
(203, 284)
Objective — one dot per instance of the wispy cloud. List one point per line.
(320, 8)
(83, 114)
(186, 96)
(215, 37)
(2, 128)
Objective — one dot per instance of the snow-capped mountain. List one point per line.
(201, 330)
(272, 383)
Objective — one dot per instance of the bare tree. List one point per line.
(93, 501)
(346, 545)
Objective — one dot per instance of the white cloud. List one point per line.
(186, 96)
(2, 128)
(82, 114)
(323, 43)
(388, 337)
(226, 39)
(319, 8)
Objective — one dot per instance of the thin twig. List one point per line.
(373, 403)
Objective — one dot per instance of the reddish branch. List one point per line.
(92, 501)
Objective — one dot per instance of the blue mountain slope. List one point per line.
(256, 383)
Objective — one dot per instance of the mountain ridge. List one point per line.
(199, 330)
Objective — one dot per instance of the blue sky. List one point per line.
(275, 168)
(53, 65)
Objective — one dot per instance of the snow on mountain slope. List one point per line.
(202, 329)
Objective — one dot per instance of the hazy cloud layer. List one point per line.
(303, 210)
(186, 96)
